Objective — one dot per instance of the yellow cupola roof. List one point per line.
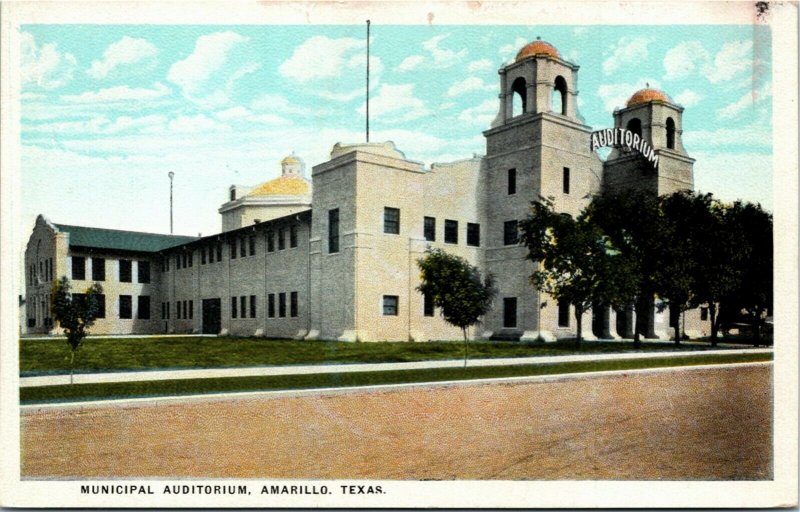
(286, 185)
(539, 48)
(647, 95)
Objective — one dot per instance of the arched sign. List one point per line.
(615, 137)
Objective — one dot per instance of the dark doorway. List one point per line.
(212, 316)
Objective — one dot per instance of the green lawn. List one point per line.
(115, 354)
(81, 392)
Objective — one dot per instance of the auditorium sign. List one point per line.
(616, 137)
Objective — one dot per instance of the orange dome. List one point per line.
(537, 47)
(283, 186)
(646, 96)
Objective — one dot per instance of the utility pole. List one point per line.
(171, 176)
(367, 80)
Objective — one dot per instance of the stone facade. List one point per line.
(338, 260)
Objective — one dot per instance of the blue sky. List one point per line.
(108, 110)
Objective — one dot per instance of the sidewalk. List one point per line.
(260, 371)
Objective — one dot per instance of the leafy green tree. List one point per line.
(75, 313)
(575, 261)
(456, 287)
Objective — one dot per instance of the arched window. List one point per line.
(635, 126)
(559, 100)
(519, 101)
(670, 133)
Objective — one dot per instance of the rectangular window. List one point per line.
(427, 304)
(473, 234)
(143, 307)
(243, 306)
(391, 221)
(270, 241)
(333, 231)
(185, 311)
(233, 307)
(252, 306)
(191, 309)
(177, 262)
(704, 314)
(185, 263)
(390, 303)
(281, 305)
(178, 310)
(563, 313)
(169, 313)
(242, 248)
(125, 303)
(202, 255)
(78, 268)
(190, 257)
(271, 306)
(566, 180)
(430, 228)
(292, 236)
(211, 254)
(512, 181)
(219, 251)
(101, 305)
(125, 271)
(163, 311)
(144, 271)
(252, 243)
(281, 239)
(293, 304)
(509, 312)
(233, 249)
(510, 232)
(450, 231)
(98, 269)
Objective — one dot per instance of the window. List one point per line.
(98, 269)
(233, 307)
(292, 236)
(427, 306)
(252, 243)
(670, 133)
(450, 231)
(78, 267)
(390, 305)
(177, 262)
(143, 307)
(509, 312)
(233, 194)
(281, 239)
(473, 234)
(163, 311)
(333, 231)
(185, 263)
(282, 305)
(168, 311)
(271, 306)
(565, 180)
(185, 311)
(178, 311)
(559, 99)
(219, 251)
(563, 313)
(202, 255)
(704, 314)
(519, 90)
(510, 232)
(270, 241)
(190, 257)
(430, 229)
(233, 249)
(252, 306)
(101, 305)
(242, 248)
(391, 221)
(144, 271)
(243, 306)
(191, 309)
(125, 271)
(293, 304)
(125, 303)
(211, 254)
(512, 181)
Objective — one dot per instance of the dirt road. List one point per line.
(682, 424)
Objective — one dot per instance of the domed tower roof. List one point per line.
(286, 185)
(535, 48)
(291, 159)
(647, 95)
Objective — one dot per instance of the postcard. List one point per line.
(399, 254)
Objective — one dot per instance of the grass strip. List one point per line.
(88, 392)
(43, 357)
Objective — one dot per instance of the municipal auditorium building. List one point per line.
(335, 256)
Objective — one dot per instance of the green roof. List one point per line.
(115, 239)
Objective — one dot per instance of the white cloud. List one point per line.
(469, 84)
(690, 57)
(277, 103)
(125, 52)
(44, 66)
(323, 57)
(233, 113)
(97, 125)
(479, 65)
(687, 98)
(748, 100)
(411, 62)
(482, 114)
(752, 138)
(118, 93)
(627, 51)
(210, 55)
(511, 49)
(195, 124)
(240, 113)
(442, 57)
(734, 58)
(397, 103)
(616, 95)
(685, 59)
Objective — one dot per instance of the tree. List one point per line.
(75, 313)
(456, 287)
(575, 261)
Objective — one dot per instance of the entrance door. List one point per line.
(212, 316)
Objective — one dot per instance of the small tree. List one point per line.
(456, 287)
(75, 313)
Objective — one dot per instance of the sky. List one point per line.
(108, 110)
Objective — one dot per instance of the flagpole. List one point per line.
(368, 80)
